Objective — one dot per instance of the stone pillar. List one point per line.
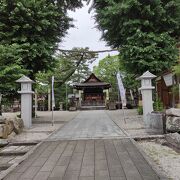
(146, 91)
(26, 100)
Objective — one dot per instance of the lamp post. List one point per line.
(146, 90)
(26, 100)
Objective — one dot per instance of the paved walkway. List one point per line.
(85, 160)
(89, 124)
(61, 158)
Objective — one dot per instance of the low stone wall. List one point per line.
(155, 121)
(7, 126)
(173, 139)
(173, 120)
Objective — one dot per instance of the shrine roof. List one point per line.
(92, 82)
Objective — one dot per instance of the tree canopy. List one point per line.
(70, 67)
(107, 70)
(29, 35)
(145, 31)
(36, 26)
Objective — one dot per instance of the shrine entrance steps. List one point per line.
(93, 108)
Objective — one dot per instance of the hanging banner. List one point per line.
(121, 90)
(53, 100)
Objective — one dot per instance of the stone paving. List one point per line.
(76, 153)
(85, 160)
(13, 158)
(89, 124)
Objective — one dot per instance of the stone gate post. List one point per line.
(26, 100)
(146, 91)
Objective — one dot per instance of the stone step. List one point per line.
(93, 107)
(13, 153)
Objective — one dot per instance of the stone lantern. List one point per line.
(146, 91)
(26, 100)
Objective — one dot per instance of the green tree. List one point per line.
(107, 70)
(71, 66)
(10, 71)
(145, 31)
(29, 35)
(37, 26)
(74, 65)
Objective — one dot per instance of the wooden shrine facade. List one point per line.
(164, 86)
(93, 92)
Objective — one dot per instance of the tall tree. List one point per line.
(37, 26)
(107, 69)
(71, 66)
(74, 65)
(145, 31)
(30, 31)
(10, 71)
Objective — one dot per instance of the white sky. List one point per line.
(85, 34)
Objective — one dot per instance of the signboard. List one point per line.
(168, 79)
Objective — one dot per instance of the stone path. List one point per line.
(76, 153)
(85, 160)
(89, 124)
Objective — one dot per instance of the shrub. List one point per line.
(158, 105)
(140, 110)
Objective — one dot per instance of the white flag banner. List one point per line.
(53, 100)
(121, 90)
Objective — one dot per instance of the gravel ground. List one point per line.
(37, 132)
(131, 122)
(42, 127)
(166, 158)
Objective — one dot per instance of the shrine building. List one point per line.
(92, 92)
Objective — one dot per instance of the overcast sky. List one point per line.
(85, 34)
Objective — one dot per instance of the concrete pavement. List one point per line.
(88, 125)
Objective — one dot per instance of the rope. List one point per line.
(79, 51)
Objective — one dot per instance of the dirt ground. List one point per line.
(42, 125)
